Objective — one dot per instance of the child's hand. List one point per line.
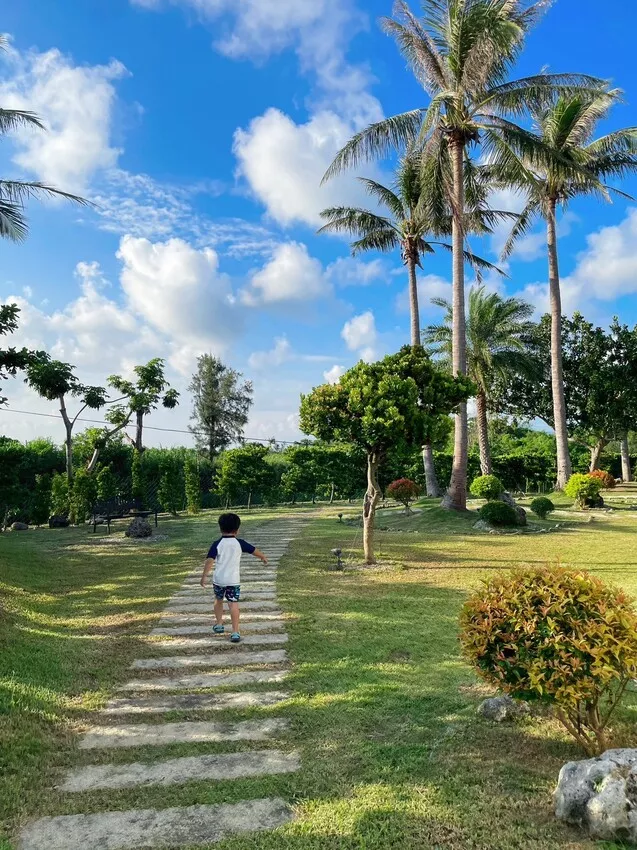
(264, 560)
(203, 581)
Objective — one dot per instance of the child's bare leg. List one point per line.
(219, 611)
(234, 615)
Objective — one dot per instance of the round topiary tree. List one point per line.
(404, 491)
(559, 637)
(542, 507)
(582, 487)
(608, 481)
(487, 487)
(499, 514)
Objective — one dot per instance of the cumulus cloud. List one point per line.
(350, 271)
(291, 275)
(333, 375)
(76, 104)
(360, 335)
(429, 286)
(280, 353)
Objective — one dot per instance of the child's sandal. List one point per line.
(235, 637)
(218, 629)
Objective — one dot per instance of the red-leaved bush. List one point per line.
(404, 490)
(608, 481)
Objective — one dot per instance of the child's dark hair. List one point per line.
(228, 523)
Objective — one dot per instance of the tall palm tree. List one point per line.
(461, 51)
(495, 349)
(566, 129)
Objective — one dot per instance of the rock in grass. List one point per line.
(57, 521)
(502, 708)
(139, 527)
(19, 526)
(600, 794)
(521, 514)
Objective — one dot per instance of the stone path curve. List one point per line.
(165, 684)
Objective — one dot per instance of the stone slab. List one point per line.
(202, 608)
(178, 771)
(261, 592)
(151, 734)
(247, 617)
(161, 703)
(184, 626)
(155, 829)
(198, 681)
(219, 643)
(219, 659)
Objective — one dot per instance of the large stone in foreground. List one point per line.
(146, 829)
(600, 794)
(162, 703)
(207, 768)
(223, 659)
(200, 681)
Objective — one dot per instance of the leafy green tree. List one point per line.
(11, 493)
(60, 502)
(303, 474)
(171, 485)
(11, 359)
(221, 403)
(461, 52)
(193, 485)
(82, 496)
(245, 470)
(56, 381)
(41, 500)
(378, 406)
(106, 483)
(495, 348)
(565, 128)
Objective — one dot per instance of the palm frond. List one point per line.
(521, 227)
(517, 97)
(417, 47)
(352, 220)
(15, 119)
(13, 224)
(20, 191)
(386, 197)
(383, 240)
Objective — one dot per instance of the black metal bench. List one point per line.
(103, 513)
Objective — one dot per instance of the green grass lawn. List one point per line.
(383, 707)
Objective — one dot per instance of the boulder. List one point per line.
(521, 515)
(19, 526)
(594, 502)
(508, 499)
(502, 708)
(139, 527)
(600, 794)
(482, 525)
(58, 521)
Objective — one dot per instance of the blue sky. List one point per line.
(201, 128)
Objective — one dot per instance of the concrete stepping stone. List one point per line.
(266, 591)
(199, 681)
(155, 829)
(150, 734)
(185, 617)
(162, 703)
(203, 608)
(177, 771)
(193, 627)
(217, 642)
(220, 659)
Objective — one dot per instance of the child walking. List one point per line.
(224, 557)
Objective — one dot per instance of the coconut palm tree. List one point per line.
(495, 349)
(566, 129)
(461, 51)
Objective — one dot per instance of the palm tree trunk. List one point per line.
(625, 450)
(564, 468)
(372, 497)
(483, 434)
(456, 498)
(413, 299)
(431, 479)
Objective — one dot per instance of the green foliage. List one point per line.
(582, 487)
(138, 488)
(60, 501)
(106, 484)
(193, 486)
(558, 637)
(11, 359)
(499, 514)
(486, 487)
(608, 480)
(11, 493)
(82, 497)
(244, 471)
(171, 485)
(542, 507)
(404, 491)
(39, 511)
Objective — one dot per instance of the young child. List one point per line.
(225, 557)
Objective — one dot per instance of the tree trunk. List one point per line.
(68, 441)
(372, 497)
(249, 499)
(564, 468)
(332, 492)
(456, 498)
(139, 431)
(431, 479)
(596, 453)
(626, 470)
(413, 297)
(483, 434)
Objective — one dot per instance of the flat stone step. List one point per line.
(220, 659)
(199, 681)
(248, 618)
(162, 703)
(148, 829)
(226, 766)
(217, 642)
(202, 608)
(187, 626)
(149, 734)
(261, 592)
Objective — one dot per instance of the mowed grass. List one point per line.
(383, 706)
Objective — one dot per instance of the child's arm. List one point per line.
(259, 554)
(207, 569)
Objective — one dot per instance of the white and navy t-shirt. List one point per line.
(226, 553)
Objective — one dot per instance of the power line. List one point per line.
(146, 427)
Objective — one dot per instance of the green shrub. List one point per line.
(487, 487)
(608, 480)
(193, 486)
(106, 484)
(404, 491)
(542, 507)
(499, 514)
(555, 636)
(582, 487)
(60, 495)
(83, 494)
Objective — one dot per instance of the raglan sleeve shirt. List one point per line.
(226, 553)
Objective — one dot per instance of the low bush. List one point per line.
(499, 514)
(542, 507)
(582, 487)
(608, 480)
(486, 487)
(559, 637)
(404, 491)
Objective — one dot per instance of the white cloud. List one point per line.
(350, 271)
(291, 275)
(76, 104)
(429, 286)
(360, 335)
(280, 353)
(333, 375)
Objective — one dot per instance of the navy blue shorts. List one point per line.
(231, 593)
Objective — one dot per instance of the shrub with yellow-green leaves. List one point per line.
(558, 637)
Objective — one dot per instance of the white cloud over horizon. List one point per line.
(291, 275)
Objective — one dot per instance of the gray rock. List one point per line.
(521, 515)
(57, 521)
(508, 499)
(19, 526)
(139, 527)
(600, 794)
(481, 525)
(502, 708)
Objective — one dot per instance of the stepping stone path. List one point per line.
(166, 684)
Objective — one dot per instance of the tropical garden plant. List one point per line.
(499, 514)
(608, 480)
(405, 491)
(542, 507)
(487, 487)
(583, 487)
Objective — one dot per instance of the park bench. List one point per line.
(103, 513)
